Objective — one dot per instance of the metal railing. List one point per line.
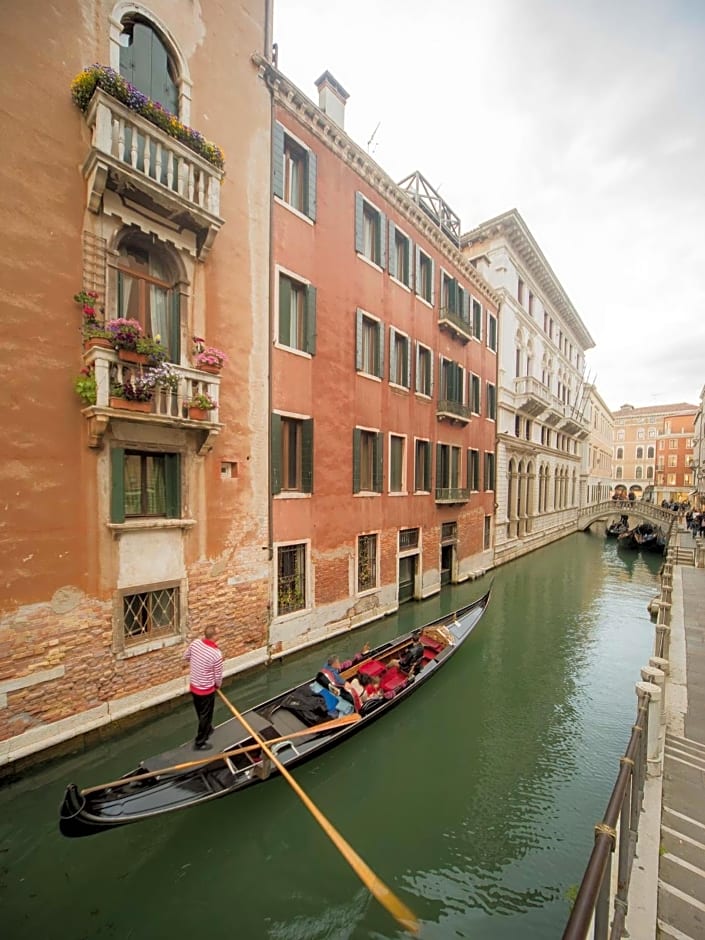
(617, 833)
(456, 321)
(452, 494)
(454, 409)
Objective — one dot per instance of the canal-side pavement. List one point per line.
(667, 892)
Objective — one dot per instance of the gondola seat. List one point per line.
(372, 668)
(393, 680)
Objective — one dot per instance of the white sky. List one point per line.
(588, 116)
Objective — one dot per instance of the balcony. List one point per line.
(150, 171)
(534, 397)
(167, 408)
(452, 494)
(455, 325)
(453, 411)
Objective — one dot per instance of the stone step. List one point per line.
(684, 824)
(688, 849)
(686, 744)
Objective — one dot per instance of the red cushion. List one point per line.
(393, 679)
(429, 654)
(373, 668)
(432, 644)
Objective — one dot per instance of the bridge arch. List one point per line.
(617, 507)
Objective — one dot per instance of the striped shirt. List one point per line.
(206, 666)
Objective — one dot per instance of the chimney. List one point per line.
(331, 98)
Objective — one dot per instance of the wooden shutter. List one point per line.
(284, 310)
(407, 363)
(174, 337)
(307, 456)
(433, 282)
(462, 303)
(310, 320)
(311, 203)
(276, 446)
(439, 460)
(358, 340)
(172, 479)
(380, 350)
(278, 161)
(430, 373)
(379, 463)
(357, 435)
(382, 237)
(392, 354)
(117, 484)
(359, 237)
(427, 465)
(413, 266)
(393, 251)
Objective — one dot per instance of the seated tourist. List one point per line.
(411, 659)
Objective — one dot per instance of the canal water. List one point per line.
(475, 801)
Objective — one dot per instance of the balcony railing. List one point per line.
(452, 494)
(536, 397)
(455, 323)
(453, 411)
(163, 174)
(166, 407)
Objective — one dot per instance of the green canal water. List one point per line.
(474, 802)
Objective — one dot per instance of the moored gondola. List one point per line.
(294, 730)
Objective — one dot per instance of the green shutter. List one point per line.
(142, 57)
(127, 63)
(452, 295)
(462, 303)
(433, 282)
(173, 485)
(278, 161)
(358, 340)
(276, 447)
(408, 265)
(392, 251)
(380, 350)
(407, 364)
(307, 456)
(439, 468)
(379, 463)
(413, 265)
(392, 354)
(284, 310)
(359, 239)
(311, 203)
(382, 240)
(117, 484)
(357, 435)
(427, 466)
(174, 337)
(310, 320)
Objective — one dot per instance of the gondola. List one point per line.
(615, 529)
(162, 784)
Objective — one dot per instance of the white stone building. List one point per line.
(542, 422)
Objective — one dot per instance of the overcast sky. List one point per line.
(588, 117)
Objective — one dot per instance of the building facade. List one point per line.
(542, 423)
(653, 451)
(384, 371)
(131, 519)
(699, 453)
(597, 453)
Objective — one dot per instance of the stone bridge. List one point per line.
(617, 507)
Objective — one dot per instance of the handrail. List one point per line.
(618, 830)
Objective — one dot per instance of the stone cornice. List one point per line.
(515, 231)
(332, 136)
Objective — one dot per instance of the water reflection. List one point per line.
(475, 801)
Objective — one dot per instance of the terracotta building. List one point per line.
(384, 382)
(126, 530)
(653, 448)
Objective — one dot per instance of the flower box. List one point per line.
(97, 341)
(129, 355)
(198, 414)
(125, 404)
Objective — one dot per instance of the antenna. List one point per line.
(369, 142)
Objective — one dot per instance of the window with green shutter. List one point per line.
(492, 331)
(424, 277)
(491, 401)
(367, 461)
(297, 314)
(294, 172)
(146, 64)
(474, 470)
(369, 345)
(399, 255)
(370, 231)
(397, 460)
(475, 394)
(399, 359)
(476, 319)
(292, 454)
(489, 471)
(144, 484)
(422, 467)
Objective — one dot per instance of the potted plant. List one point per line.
(92, 328)
(208, 358)
(199, 406)
(133, 394)
(86, 387)
(151, 347)
(124, 334)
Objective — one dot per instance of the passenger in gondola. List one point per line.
(411, 659)
(334, 689)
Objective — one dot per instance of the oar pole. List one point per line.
(384, 895)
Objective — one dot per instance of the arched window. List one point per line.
(619, 473)
(640, 453)
(146, 64)
(147, 290)
(649, 473)
(652, 432)
(620, 453)
(650, 452)
(639, 473)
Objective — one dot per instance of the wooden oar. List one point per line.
(386, 898)
(331, 725)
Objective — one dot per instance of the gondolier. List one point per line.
(206, 676)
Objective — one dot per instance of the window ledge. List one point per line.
(368, 592)
(293, 349)
(397, 493)
(366, 493)
(372, 264)
(369, 375)
(292, 494)
(400, 283)
(426, 303)
(139, 525)
(423, 396)
(297, 212)
(399, 388)
(149, 647)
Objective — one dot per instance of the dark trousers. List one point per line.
(204, 705)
